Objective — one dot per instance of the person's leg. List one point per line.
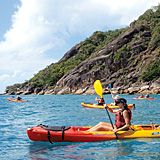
(96, 126)
(102, 126)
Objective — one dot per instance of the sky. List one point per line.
(36, 33)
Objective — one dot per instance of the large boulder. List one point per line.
(133, 90)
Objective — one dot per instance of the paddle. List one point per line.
(99, 90)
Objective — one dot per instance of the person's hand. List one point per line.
(115, 130)
(105, 106)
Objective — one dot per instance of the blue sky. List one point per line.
(7, 8)
(36, 33)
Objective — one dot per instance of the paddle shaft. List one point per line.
(109, 117)
(111, 121)
(99, 90)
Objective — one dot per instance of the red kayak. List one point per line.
(80, 133)
(139, 98)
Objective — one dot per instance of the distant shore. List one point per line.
(154, 88)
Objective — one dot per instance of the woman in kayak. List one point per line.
(100, 101)
(122, 118)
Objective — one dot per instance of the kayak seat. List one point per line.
(55, 128)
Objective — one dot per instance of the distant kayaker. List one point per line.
(122, 118)
(141, 96)
(147, 96)
(19, 98)
(115, 98)
(100, 101)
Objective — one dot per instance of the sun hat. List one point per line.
(120, 100)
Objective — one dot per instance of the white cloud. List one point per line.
(42, 30)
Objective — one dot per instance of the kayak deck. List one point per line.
(138, 98)
(91, 105)
(80, 134)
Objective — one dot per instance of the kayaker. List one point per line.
(100, 101)
(141, 96)
(122, 118)
(115, 98)
(19, 98)
(147, 96)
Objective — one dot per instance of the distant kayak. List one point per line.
(139, 98)
(80, 133)
(91, 105)
(16, 100)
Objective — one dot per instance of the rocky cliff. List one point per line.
(127, 58)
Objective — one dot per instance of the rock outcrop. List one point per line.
(127, 58)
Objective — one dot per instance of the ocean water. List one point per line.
(61, 110)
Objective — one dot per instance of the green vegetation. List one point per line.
(50, 75)
(150, 18)
(155, 41)
(145, 38)
(152, 72)
(122, 53)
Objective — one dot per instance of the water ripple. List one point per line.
(66, 110)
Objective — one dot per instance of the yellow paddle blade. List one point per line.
(98, 88)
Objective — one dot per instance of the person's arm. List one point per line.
(127, 121)
(113, 96)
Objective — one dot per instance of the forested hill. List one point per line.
(127, 58)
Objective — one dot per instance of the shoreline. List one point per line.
(146, 89)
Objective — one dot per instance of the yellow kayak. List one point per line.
(91, 105)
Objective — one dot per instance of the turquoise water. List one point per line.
(15, 118)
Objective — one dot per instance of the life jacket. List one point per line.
(119, 119)
(101, 102)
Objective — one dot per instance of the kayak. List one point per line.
(91, 105)
(80, 133)
(139, 98)
(15, 100)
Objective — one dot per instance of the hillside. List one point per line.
(128, 58)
